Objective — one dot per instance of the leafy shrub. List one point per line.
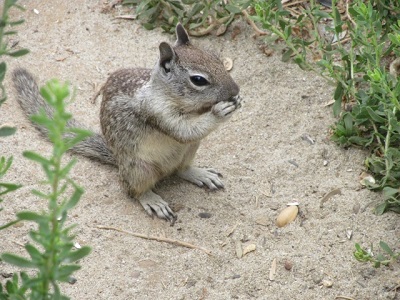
(199, 17)
(355, 58)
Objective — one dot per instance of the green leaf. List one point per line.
(377, 264)
(7, 131)
(233, 9)
(17, 261)
(64, 272)
(3, 69)
(18, 53)
(390, 192)
(394, 38)
(348, 123)
(11, 287)
(10, 32)
(14, 23)
(5, 165)
(64, 171)
(374, 115)
(321, 14)
(30, 216)
(40, 194)
(9, 224)
(74, 198)
(34, 253)
(151, 14)
(386, 248)
(37, 158)
(286, 55)
(177, 4)
(338, 95)
(195, 10)
(381, 208)
(77, 254)
(149, 26)
(134, 2)
(9, 187)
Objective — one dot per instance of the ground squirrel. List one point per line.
(153, 120)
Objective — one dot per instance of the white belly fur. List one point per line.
(162, 151)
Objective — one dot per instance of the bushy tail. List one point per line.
(30, 100)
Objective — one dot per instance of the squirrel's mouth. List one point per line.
(236, 99)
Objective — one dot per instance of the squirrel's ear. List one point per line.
(167, 54)
(182, 38)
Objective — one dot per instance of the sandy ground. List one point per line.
(265, 161)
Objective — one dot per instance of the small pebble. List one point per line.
(72, 280)
(288, 265)
(356, 208)
(317, 278)
(327, 283)
(205, 215)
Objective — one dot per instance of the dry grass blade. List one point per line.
(329, 195)
(272, 270)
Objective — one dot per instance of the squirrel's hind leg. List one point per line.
(138, 178)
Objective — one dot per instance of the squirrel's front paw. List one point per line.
(154, 204)
(201, 177)
(226, 108)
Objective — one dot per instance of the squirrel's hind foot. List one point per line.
(153, 204)
(201, 177)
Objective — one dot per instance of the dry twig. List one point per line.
(295, 3)
(252, 24)
(158, 239)
(348, 14)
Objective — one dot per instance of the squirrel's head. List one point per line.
(195, 79)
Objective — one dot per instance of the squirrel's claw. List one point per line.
(201, 177)
(153, 204)
(224, 109)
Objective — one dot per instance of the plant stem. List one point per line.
(377, 136)
(387, 144)
(3, 20)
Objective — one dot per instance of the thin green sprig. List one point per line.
(367, 255)
(52, 252)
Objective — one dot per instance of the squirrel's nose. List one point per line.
(235, 89)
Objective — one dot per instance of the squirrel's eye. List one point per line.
(198, 80)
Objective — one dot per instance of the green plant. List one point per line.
(51, 254)
(353, 49)
(5, 188)
(199, 17)
(367, 255)
(5, 130)
(6, 50)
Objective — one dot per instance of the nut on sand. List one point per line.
(287, 215)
